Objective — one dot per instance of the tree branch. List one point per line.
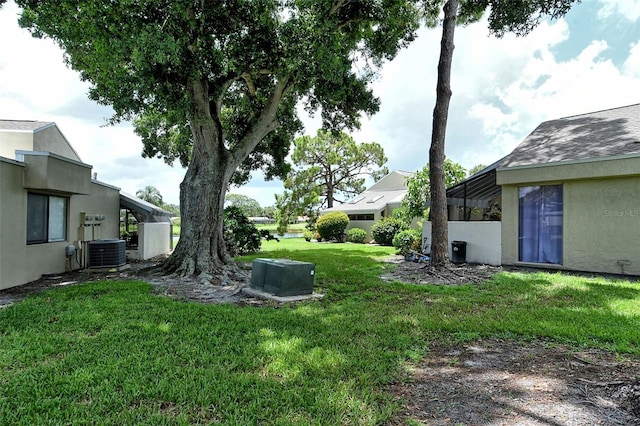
(250, 84)
(266, 123)
(337, 5)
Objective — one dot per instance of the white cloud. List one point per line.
(628, 9)
(36, 61)
(631, 66)
(502, 89)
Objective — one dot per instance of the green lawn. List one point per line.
(113, 353)
(273, 227)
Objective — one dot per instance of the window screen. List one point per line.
(36, 218)
(46, 218)
(57, 219)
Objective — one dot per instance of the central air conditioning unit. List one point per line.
(106, 253)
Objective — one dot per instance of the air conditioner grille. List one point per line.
(106, 253)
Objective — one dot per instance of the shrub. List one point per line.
(385, 229)
(357, 235)
(407, 240)
(308, 235)
(240, 234)
(331, 226)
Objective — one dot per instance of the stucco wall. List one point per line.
(393, 180)
(483, 240)
(51, 172)
(47, 139)
(13, 223)
(154, 239)
(51, 139)
(601, 222)
(12, 141)
(602, 225)
(21, 263)
(364, 224)
(104, 199)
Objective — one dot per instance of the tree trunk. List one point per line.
(329, 183)
(201, 247)
(438, 190)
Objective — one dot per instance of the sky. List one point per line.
(502, 89)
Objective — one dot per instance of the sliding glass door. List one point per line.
(540, 224)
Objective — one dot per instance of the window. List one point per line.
(540, 224)
(361, 216)
(46, 218)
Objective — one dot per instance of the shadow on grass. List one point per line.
(114, 352)
(578, 310)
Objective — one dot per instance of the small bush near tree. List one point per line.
(331, 226)
(308, 235)
(407, 240)
(240, 234)
(357, 235)
(385, 229)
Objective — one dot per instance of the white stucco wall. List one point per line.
(483, 240)
(154, 239)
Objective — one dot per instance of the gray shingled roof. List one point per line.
(599, 134)
(370, 201)
(24, 124)
(595, 135)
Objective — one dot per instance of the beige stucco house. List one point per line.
(51, 209)
(570, 195)
(379, 201)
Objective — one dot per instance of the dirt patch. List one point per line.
(223, 288)
(453, 274)
(495, 382)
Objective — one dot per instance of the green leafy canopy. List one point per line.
(505, 16)
(142, 56)
(418, 187)
(329, 167)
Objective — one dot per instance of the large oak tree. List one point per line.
(214, 84)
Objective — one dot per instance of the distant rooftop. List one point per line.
(25, 125)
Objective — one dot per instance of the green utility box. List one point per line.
(282, 277)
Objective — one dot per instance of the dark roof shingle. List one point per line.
(594, 135)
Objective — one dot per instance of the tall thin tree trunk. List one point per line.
(438, 190)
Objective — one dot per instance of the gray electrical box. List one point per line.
(282, 277)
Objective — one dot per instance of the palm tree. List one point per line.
(151, 195)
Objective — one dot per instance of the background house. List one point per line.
(379, 201)
(570, 197)
(51, 210)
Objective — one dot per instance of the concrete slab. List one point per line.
(282, 299)
(108, 269)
